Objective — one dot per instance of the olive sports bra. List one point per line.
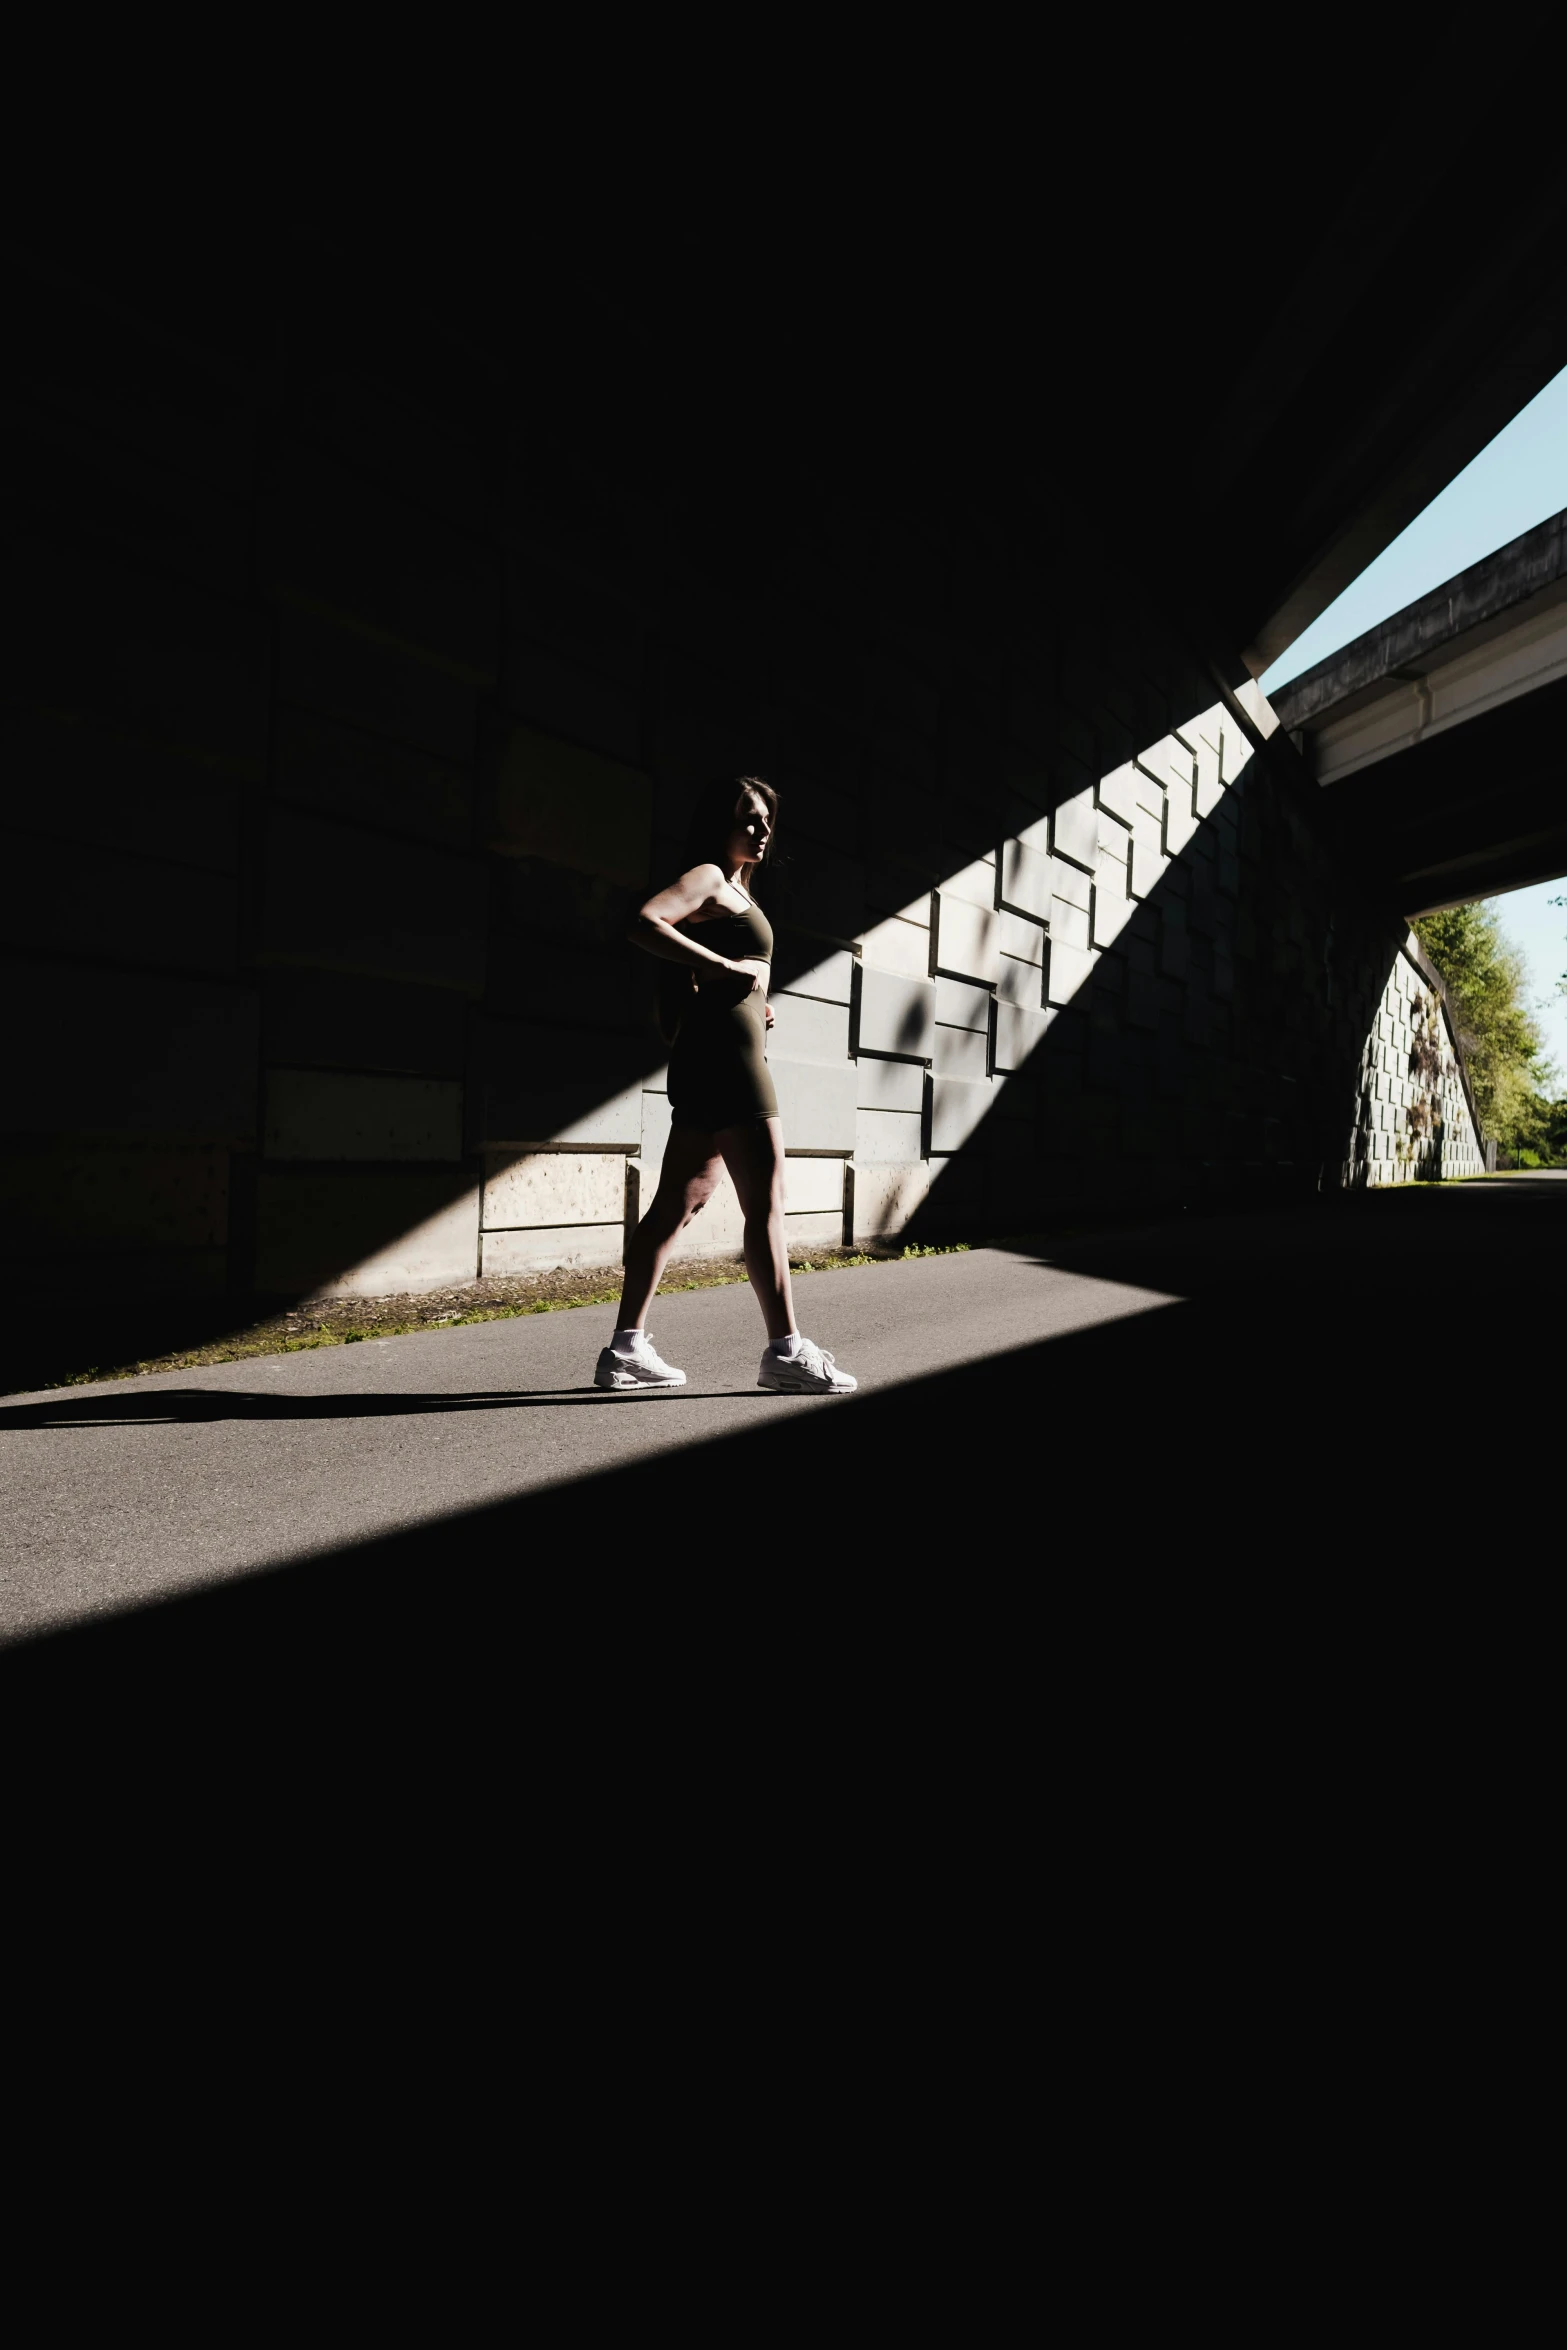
(741, 937)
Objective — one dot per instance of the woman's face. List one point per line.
(752, 831)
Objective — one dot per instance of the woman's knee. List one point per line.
(671, 1212)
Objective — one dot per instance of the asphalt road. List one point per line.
(131, 1490)
(1123, 1419)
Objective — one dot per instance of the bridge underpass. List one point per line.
(349, 724)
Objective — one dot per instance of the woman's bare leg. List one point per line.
(691, 1173)
(754, 1156)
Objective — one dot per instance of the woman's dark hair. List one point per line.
(713, 819)
(716, 814)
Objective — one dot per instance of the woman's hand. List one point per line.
(757, 978)
(769, 1017)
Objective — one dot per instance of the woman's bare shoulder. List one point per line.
(684, 899)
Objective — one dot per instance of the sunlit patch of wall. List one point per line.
(1210, 979)
(1173, 984)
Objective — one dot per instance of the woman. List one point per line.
(723, 1109)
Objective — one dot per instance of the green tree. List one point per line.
(1539, 1130)
(1486, 979)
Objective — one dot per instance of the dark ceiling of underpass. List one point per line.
(1235, 330)
(1465, 813)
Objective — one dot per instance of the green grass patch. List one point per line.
(352, 1322)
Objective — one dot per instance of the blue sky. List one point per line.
(1540, 929)
(1516, 481)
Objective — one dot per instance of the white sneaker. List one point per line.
(643, 1368)
(810, 1371)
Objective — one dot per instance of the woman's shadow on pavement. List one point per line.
(211, 1403)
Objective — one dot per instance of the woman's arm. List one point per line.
(654, 930)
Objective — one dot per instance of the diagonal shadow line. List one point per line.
(660, 1547)
(1079, 1072)
(198, 1405)
(172, 1407)
(112, 1332)
(625, 1058)
(1131, 1486)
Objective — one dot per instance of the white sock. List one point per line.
(786, 1347)
(628, 1342)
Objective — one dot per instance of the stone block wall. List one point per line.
(1415, 1120)
(350, 713)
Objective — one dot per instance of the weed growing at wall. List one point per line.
(351, 1321)
(1431, 1067)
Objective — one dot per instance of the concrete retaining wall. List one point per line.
(1414, 1122)
(349, 721)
